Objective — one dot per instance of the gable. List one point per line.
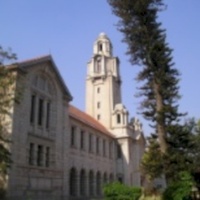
(45, 65)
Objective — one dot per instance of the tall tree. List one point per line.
(148, 48)
(7, 97)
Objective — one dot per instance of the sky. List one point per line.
(67, 29)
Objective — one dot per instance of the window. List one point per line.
(118, 118)
(48, 114)
(40, 155)
(73, 182)
(100, 47)
(104, 148)
(98, 104)
(90, 142)
(91, 183)
(98, 90)
(97, 145)
(73, 130)
(32, 114)
(120, 179)
(110, 149)
(82, 140)
(98, 183)
(111, 178)
(98, 65)
(105, 179)
(40, 111)
(31, 154)
(98, 117)
(119, 151)
(47, 157)
(41, 105)
(83, 182)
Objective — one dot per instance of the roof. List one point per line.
(23, 65)
(88, 120)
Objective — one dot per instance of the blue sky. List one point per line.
(67, 29)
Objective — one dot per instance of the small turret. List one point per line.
(102, 45)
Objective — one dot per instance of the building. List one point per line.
(61, 152)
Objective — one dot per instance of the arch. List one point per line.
(73, 181)
(45, 83)
(111, 178)
(98, 183)
(100, 46)
(91, 183)
(118, 118)
(82, 182)
(43, 100)
(105, 178)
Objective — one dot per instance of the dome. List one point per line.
(102, 35)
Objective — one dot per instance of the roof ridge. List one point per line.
(34, 59)
(86, 118)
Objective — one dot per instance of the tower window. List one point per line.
(98, 65)
(98, 117)
(100, 47)
(118, 118)
(98, 104)
(98, 90)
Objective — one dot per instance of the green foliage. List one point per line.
(147, 47)
(179, 189)
(7, 98)
(151, 164)
(118, 191)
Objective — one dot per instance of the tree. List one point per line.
(7, 97)
(148, 48)
(151, 164)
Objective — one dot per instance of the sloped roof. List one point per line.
(88, 120)
(46, 58)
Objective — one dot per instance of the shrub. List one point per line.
(180, 189)
(118, 191)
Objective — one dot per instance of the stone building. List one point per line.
(61, 152)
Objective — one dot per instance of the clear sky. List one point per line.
(66, 29)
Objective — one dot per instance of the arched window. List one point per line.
(100, 47)
(82, 182)
(118, 118)
(91, 182)
(72, 182)
(98, 183)
(105, 179)
(98, 65)
(111, 179)
(41, 101)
